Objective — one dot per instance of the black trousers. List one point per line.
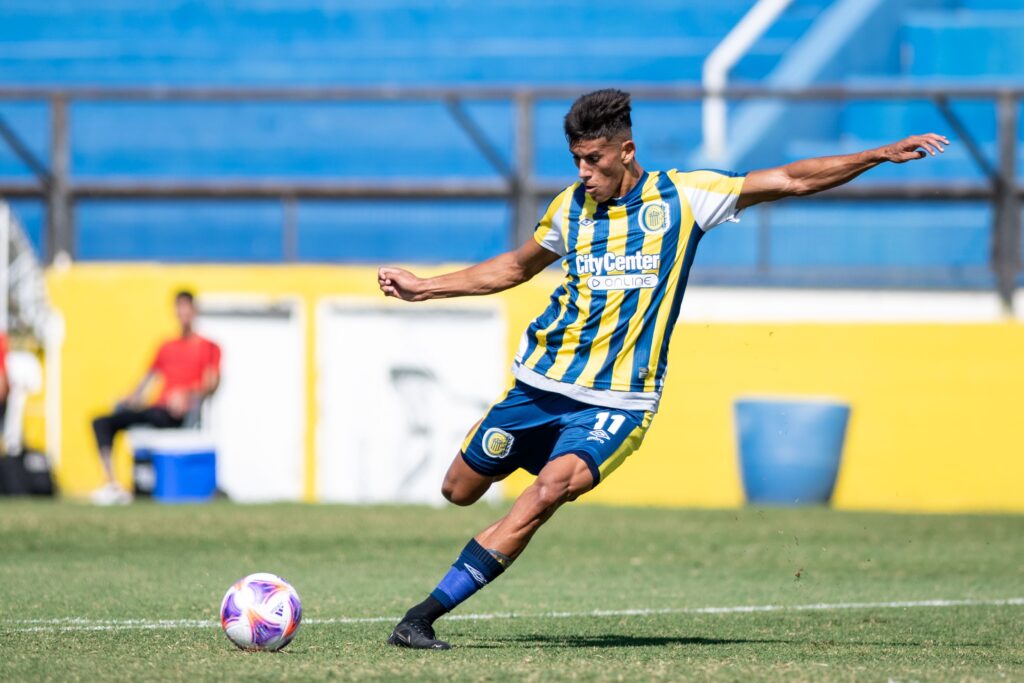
(107, 427)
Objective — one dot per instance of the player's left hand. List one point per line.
(914, 147)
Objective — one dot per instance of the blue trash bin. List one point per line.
(790, 449)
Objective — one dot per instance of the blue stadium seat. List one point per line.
(418, 42)
(313, 42)
(964, 44)
(940, 42)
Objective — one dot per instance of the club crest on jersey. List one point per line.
(498, 442)
(655, 217)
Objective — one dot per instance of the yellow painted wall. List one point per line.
(936, 424)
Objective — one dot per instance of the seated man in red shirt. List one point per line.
(189, 367)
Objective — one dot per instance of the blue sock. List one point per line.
(474, 569)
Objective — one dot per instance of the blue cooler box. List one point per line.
(184, 464)
(185, 477)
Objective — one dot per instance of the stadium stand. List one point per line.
(320, 43)
(935, 42)
(307, 42)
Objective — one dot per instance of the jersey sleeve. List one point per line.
(550, 232)
(712, 195)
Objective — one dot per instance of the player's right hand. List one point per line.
(400, 284)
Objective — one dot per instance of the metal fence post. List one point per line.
(524, 195)
(59, 237)
(1006, 245)
(289, 229)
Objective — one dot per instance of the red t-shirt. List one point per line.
(3, 353)
(182, 362)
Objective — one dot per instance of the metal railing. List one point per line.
(24, 310)
(518, 185)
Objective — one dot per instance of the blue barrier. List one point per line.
(790, 449)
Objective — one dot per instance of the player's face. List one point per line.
(602, 163)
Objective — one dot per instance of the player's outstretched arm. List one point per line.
(808, 176)
(493, 275)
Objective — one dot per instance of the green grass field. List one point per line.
(97, 594)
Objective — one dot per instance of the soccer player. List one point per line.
(590, 369)
(189, 369)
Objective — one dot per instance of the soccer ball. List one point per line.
(261, 612)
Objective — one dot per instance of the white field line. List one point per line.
(82, 624)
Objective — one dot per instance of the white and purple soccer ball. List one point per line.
(261, 612)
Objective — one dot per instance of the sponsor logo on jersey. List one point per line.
(655, 217)
(586, 222)
(475, 573)
(587, 264)
(612, 271)
(498, 442)
(613, 282)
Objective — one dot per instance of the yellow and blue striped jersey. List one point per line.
(604, 337)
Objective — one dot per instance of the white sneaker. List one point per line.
(111, 494)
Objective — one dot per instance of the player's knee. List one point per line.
(453, 495)
(551, 494)
(459, 495)
(562, 484)
(448, 491)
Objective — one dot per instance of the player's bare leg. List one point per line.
(562, 480)
(463, 485)
(492, 550)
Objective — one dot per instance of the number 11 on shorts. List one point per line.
(617, 421)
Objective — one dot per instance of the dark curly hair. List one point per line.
(599, 114)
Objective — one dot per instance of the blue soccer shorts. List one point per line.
(530, 427)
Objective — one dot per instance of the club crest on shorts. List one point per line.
(498, 442)
(655, 217)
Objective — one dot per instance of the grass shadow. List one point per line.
(614, 640)
(610, 640)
